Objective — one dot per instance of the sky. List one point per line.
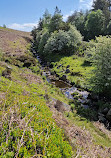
(24, 14)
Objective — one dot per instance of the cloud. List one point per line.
(82, 1)
(22, 27)
(67, 15)
(86, 4)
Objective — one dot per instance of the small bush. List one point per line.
(63, 42)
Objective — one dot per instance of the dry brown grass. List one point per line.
(80, 138)
(14, 42)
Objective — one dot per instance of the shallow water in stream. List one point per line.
(66, 88)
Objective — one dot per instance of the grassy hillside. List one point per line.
(33, 119)
(27, 127)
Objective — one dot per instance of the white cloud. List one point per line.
(82, 1)
(86, 4)
(22, 27)
(67, 15)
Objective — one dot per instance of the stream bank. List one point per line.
(86, 103)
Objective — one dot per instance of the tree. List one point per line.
(78, 19)
(57, 11)
(46, 19)
(4, 26)
(109, 28)
(40, 24)
(103, 5)
(63, 42)
(102, 62)
(56, 21)
(43, 40)
(95, 24)
(53, 35)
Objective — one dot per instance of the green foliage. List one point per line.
(75, 36)
(103, 5)
(109, 28)
(55, 23)
(102, 61)
(63, 42)
(78, 19)
(55, 36)
(43, 41)
(95, 24)
(39, 34)
(46, 19)
(59, 42)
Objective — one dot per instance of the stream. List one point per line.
(68, 90)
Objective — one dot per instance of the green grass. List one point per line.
(27, 127)
(46, 135)
(79, 72)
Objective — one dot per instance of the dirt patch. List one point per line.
(79, 138)
(2, 97)
(102, 128)
(31, 78)
(14, 42)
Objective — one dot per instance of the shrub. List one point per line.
(43, 41)
(63, 42)
(102, 61)
(59, 42)
(75, 36)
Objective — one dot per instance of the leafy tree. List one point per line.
(46, 19)
(40, 24)
(102, 62)
(103, 5)
(79, 19)
(63, 42)
(95, 24)
(56, 21)
(55, 35)
(33, 33)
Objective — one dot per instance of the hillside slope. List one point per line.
(32, 111)
(27, 128)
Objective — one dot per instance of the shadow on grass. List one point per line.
(48, 58)
(87, 63)
(28, 39)
(90, 113)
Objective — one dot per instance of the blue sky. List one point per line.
(24, 14)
